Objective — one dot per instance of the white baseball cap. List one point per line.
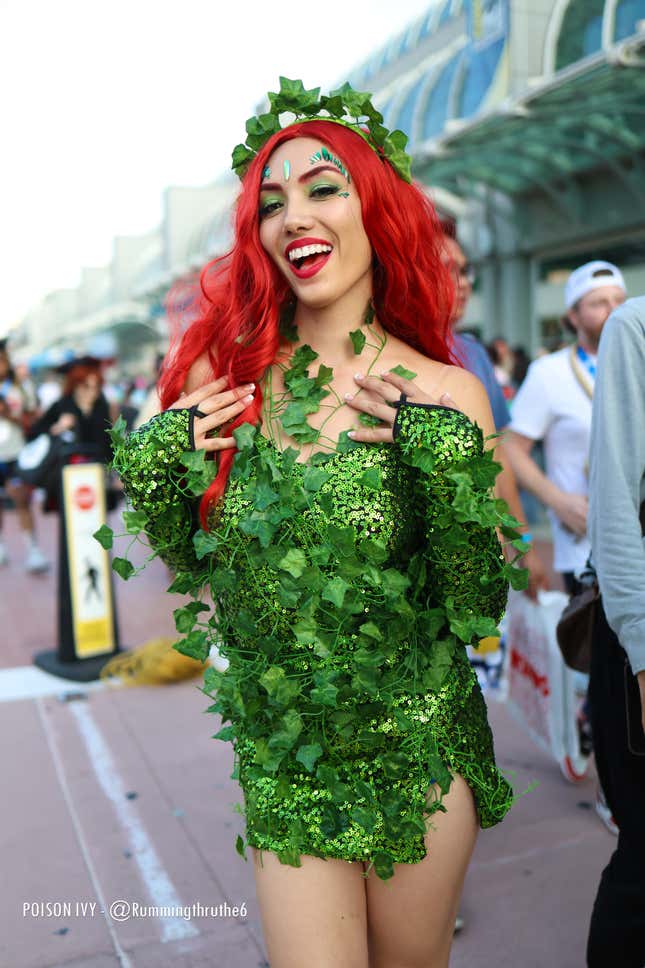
(592, 275)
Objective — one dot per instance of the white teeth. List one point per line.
(306, 250)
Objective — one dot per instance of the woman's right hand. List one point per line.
(219, 406)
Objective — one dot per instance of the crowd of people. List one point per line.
(346, 585)
(72, 403)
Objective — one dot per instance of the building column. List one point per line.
(515, 299)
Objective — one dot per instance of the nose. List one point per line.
(297, 216)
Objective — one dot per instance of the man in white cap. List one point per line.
(553, 405)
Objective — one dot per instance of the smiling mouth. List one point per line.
(305, 256)
(306, 260)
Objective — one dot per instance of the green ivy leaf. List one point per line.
(239, 846)
(401, 371)
(383, 866)
(244, 436)
(279, 688)
(372, 478)
(371, 630)
(264, 496)
(324, 376)
(135, 521)
(365, 818)
(182, 584)
(186, 616)
(294, 562)
(374, 550)
(345, 443)
(333, 822)
(314, 478)
(326, 694)
(519, 578)
(205, 543)
(104, 536)
(118, 432)
(123, 568)
(267, 758)
(334, 591)
(308, 754)
(358, 339)
(195, 645)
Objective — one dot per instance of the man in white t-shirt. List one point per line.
(553, 405)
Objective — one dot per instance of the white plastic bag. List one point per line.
(542, 693)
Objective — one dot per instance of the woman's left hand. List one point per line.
(376, 396)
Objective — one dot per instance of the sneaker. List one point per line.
(605, 814)
(35, 561)
(4, 556)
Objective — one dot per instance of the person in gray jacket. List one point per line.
(616, 519)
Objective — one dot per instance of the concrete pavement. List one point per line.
(118, 794)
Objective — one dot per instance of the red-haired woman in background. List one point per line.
(82, 414)
(82, 410)
(348, 540)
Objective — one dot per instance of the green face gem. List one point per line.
(344, 194)
(325, 155)
(287, 170)
(266, 173)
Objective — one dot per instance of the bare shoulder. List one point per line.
(200, 373)
(436, 378)
(469, 395)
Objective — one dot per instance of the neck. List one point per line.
(327, 329)
(588, 345)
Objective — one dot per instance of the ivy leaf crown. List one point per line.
(354, 109)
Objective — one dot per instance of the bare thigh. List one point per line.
(313, 915)
(411, 916)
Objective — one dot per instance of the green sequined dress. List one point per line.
(346, 589)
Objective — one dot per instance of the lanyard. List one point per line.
(584, 369)
(589, 362)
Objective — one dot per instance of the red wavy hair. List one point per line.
(235, 310)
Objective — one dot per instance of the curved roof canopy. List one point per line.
(588, 116)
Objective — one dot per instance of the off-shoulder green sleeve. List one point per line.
(151, 463)
(466, 564)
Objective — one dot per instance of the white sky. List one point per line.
(105, 104)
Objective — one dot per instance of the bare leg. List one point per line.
(314, 915)
(411, 917)
(21, 496)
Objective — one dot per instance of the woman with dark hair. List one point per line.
(347, 538)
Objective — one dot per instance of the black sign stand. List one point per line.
(65, 661)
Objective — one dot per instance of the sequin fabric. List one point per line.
(349, 708)
(149, 462)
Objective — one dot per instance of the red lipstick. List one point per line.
(315, 262)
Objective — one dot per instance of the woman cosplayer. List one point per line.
(348, 539)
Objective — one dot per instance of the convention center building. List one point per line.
(527, 124)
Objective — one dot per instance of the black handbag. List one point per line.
(575, 628)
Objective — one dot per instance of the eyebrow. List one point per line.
(275, 187)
